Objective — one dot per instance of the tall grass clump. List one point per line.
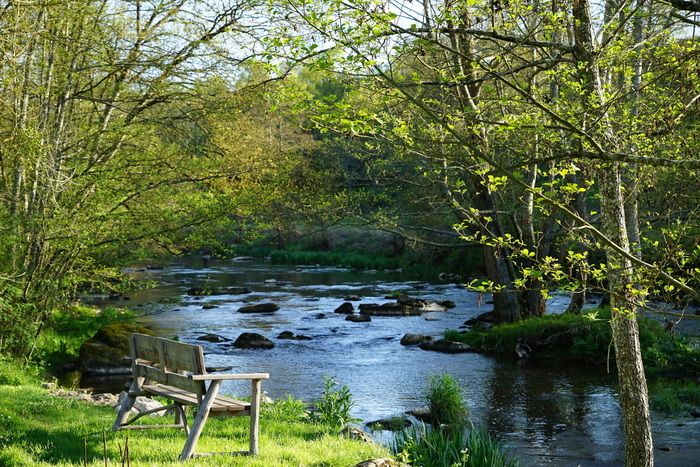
(334, 405)
(435, 447)
(451, 441)
(444, 397)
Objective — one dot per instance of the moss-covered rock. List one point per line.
(107, 352)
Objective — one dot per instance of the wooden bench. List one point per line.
(176, 371)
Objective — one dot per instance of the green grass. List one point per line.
(38, 429)
(586, 338)
(675, 398)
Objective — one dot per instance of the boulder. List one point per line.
(212, 338)
(404, 306)
(142, 404)
(388, 309)
(353, 432)
(415, 339)
(352, 298)
(292, 336)
(390, 424)
(422, 414)
(210, 306)
(445, 346)
(488, 317)
(381, 462)
(234, 290)
(319, 316)
(449, 277)
(253, 340)
(358, 318)
(447, 304)
(346, 308)
(198, 291)
(107, 352)
(259, 308)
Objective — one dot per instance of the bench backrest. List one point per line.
(167, 361)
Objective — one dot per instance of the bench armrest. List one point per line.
(229, 376)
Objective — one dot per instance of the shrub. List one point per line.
(18, 324)
(445, 400)
(286, 409)
(333, 408)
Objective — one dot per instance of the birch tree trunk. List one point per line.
(625, 331)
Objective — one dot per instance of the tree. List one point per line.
(559, 105)
(92, 93)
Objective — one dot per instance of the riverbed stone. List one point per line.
(488, 317)
(253, 340)
(381, 462)
(353, 432)
(445, 346)
(142, 404)
(209, 306)
(107, 352)
(390, 424)
(449, 304)
(388, 309)
(290, 335)
(212, 338)
(268, 307)
(422, 414)
(415, 339)
(234, 290)
(346, 308)
(358, 318)
(197, 291)
(352, 298)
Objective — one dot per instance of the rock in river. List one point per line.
(358, 318)
(107, 352)
(346, 308)
(253, 340)
(234, 290)
(415, 339)
(390, 424)
(446, 346)
(259, 308)
(292, 336)
(212, 338)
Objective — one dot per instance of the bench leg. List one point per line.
(200, 420)
(181, 418)
(127, 404)
(254, 416)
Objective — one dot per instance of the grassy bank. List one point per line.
(413, 264)
(584, 338)
(40, 429)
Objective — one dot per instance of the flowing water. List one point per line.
(563, 416)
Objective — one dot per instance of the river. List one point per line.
(562, 416)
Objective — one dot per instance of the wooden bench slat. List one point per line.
(221, 403)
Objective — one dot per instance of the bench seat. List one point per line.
(222, 405)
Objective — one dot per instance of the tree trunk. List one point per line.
(633, 388)
(632, 382)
